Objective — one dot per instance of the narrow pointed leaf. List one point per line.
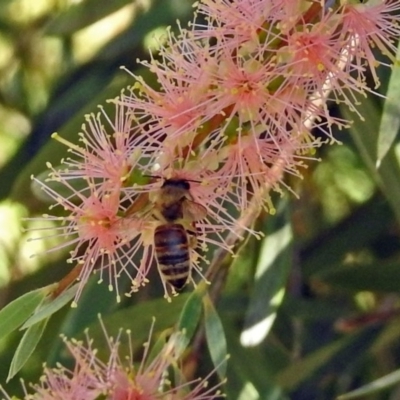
(251, 370)
(215, 336)
(364, 226)
(390, 121)
(157, 346)
(18, 311)
(190, 316)
(301, 370)
(377, 276)
(365, 136)
(83, 14)
(273, 266)
(50, 308)
(26, 347)
(373, 387)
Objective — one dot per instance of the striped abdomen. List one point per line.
(172, 252)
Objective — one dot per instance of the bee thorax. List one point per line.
(173, 212)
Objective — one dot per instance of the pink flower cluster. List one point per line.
(119, 378)
(238, 98)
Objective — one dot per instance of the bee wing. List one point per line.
(193, 211)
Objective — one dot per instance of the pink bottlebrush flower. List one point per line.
(251, 162)
(97, 218)
(90, 191)
(243, 92)
(83, 382)
(63, 384)
(107, 237)
(242, 20)
(179, 105)
(117, 378)
(272, 89)
(197, 389)
(312, 55)
(254, 85)
(146, 382)
(109, 154)
(241, 81)
(120, 378)
(375, 24)
(102, 240)
(150, 380)
(264, 84)
(229, 110)
(173, 114)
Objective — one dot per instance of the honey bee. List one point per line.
(175, 209)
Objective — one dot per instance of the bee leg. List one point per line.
(158, 215)
(192, 240)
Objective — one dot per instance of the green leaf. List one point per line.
(18, 311)
(299, 371)
(88, 12)
(215, 336)
(388, 336)
(272, 269)
(26, 347)
(309, 310)
(49, 309)
(365, 136)
(390, 121)
(158, 345)
(251, 370)
(379, 276)
(83, 14)
(376, 386)
(190, 315)
(359, 230)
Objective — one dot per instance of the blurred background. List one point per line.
(309, 312)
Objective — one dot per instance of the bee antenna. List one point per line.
(152, 176)
(160, 177)
(192, 180)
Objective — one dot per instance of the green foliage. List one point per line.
(190, 316)
(50, 307)
(371, 388)
(14, 314)
(26, 347)
(271, 272)
(390, 122)
(215, 337)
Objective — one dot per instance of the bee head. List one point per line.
(176, 184)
